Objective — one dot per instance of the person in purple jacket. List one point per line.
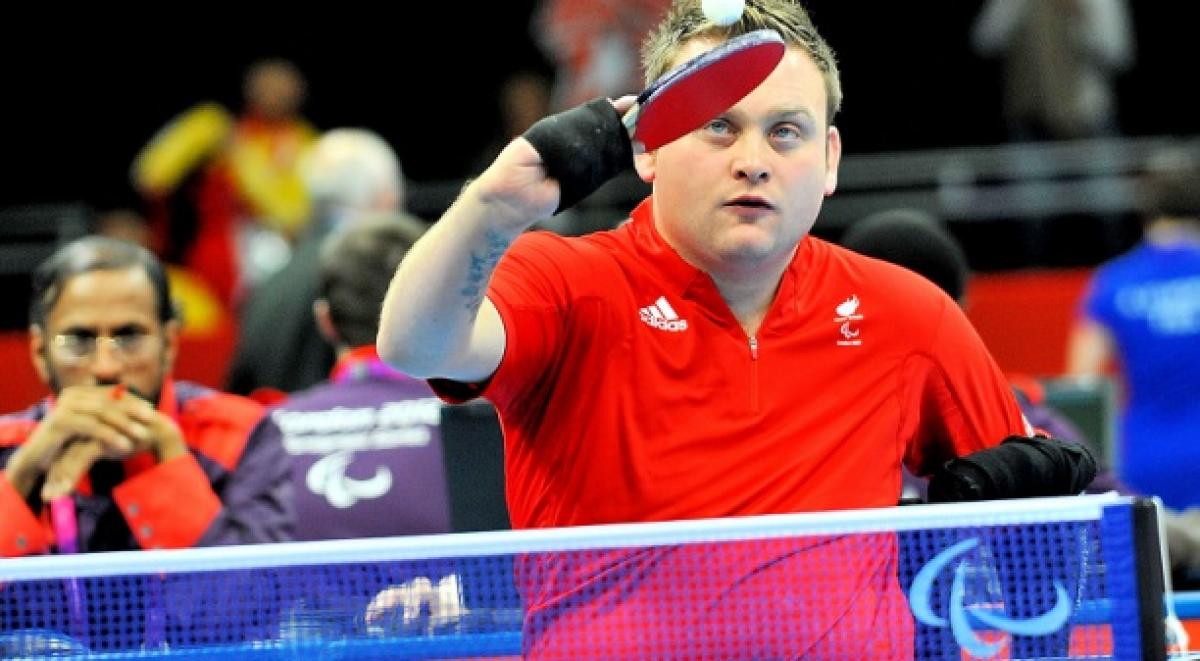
(364, 445)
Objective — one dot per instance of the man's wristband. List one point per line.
(582, 148)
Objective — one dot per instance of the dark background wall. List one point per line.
(79, 100)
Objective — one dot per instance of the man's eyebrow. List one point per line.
(131, 329)
(783, 112)
(792, 111)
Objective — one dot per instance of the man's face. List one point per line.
(104, 330)
(738, 194)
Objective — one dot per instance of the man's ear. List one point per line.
(833, 158)
(37, 352)
(324, 320)
(646, 165)
(171, 331)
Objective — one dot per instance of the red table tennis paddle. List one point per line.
(702, 88)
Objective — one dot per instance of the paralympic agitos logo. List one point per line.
(921, 593)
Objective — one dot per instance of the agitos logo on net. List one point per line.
(920, 596)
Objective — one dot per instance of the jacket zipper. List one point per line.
(754, 374)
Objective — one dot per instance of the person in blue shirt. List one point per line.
(1142, 312)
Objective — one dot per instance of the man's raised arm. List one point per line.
(437, 321)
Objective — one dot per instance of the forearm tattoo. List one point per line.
(482, 263)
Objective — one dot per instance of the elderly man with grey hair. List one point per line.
(350, 173)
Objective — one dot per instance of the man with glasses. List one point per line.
(146, 461)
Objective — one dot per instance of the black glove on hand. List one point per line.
(1020, 467)
(582, 148)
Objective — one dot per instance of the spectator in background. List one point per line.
(1060, 59)
(349, 173)
(147, 461)
(1142, 311)
(365, 445)
(594, 44)
(226, 193)
(366, 455)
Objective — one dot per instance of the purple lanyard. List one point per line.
(65, 524)
(66, 536)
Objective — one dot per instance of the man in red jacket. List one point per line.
(148, 462)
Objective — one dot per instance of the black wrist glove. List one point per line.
(1020, 467)
(582, 148)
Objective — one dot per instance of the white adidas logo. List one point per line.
(662, 316)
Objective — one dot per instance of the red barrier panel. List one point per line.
(1025, 317)
(20, 385)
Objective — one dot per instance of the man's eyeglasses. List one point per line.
(81, 346)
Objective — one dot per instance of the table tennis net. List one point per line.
(1053, 578)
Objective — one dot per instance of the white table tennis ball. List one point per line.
(723, 12)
